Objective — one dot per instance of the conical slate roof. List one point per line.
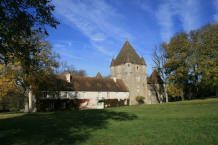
(127, 55)
(155, 78)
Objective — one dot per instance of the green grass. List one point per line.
(180, 123)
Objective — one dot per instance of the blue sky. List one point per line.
(92, 32)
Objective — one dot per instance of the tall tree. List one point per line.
(18, 20)
(41, 65)
(177, 64)
(192, 62)
(159, 59)
(208, 55)
(64, 67)
(10, 94)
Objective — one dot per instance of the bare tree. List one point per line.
(64, 67)
(159, 59)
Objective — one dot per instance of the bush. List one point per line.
(58, 104)
(140, 99)
(115, 102)
(13, 101)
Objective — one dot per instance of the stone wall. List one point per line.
(134, 76)
(93, 97)
(154, 93)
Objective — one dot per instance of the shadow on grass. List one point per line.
(72, 127)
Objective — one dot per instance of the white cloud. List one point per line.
(95, 18)
(215, 16)
(66, 54)
(187, 11)
(63, 48)
(146, 6)
(98, 37)
(164, 16)
(102, 49)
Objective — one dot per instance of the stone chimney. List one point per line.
(67, 75)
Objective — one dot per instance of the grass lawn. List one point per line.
(180, 123)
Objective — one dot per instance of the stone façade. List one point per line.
(131, 68)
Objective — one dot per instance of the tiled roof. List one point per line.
(79, 83)
(155, 78)
(127, 55)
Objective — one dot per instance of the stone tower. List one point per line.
(131, 68)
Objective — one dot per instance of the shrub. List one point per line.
(13, 101)
(115, 102)
(140, 99)
(58, 104)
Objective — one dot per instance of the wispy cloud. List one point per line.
(215, 16)
(145, 5)
(66, 54)
(63, 48)
(164, 16)
(187, 11)
(94, 18)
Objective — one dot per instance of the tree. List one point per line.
(208, 56)
(64, 67)
(192, 62)
(159, 59)
(177, 64)
(20, 23)
(19, 20)
(10, 94)
(41, 65)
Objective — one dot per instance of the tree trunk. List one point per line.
(32, 101)
(217, 92)
(167, 98)
(166, 95)
(26, 103)
(161, 98)
(182, 96)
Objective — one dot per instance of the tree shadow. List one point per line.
(71, 127)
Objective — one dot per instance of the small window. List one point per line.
(128, 65)
(137, 67)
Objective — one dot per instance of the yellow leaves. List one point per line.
(7, 81)
(174, 90)
(1, 67)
